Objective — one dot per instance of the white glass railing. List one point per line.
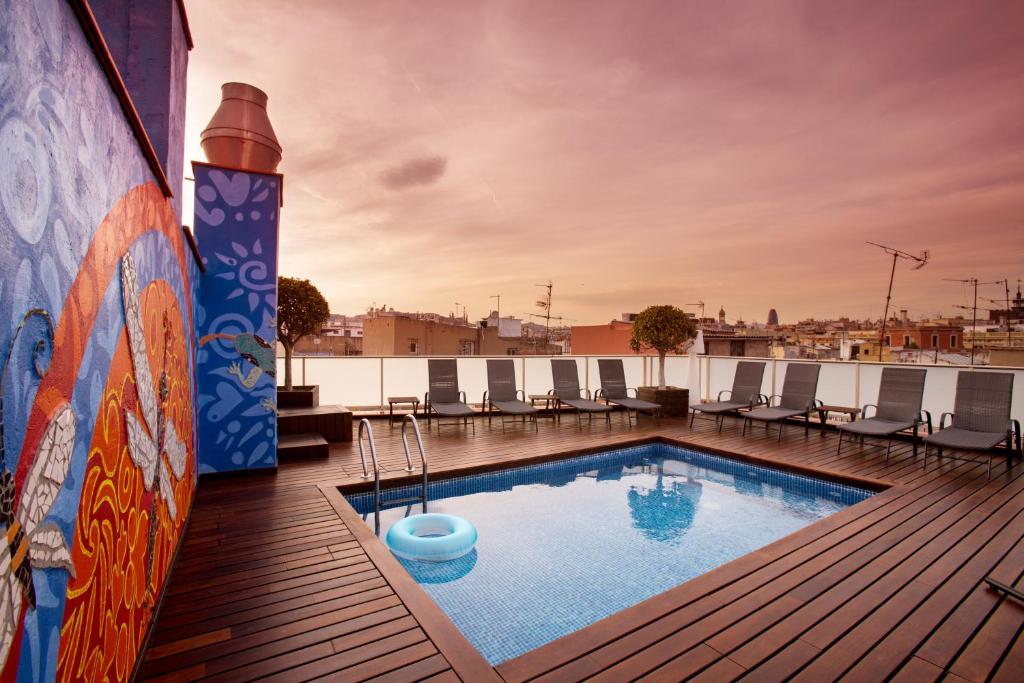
(365, 382)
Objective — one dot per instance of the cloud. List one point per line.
(422, 171)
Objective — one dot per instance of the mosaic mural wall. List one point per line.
(97, 466)
(236, 227)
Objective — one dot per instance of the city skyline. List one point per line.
(679, 154)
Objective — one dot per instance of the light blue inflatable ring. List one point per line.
(431, 537)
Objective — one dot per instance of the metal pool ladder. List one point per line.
(364, 424)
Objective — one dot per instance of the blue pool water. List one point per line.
(566, 543)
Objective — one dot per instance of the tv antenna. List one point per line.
(919, 261)
(545, 305)
(699, 304)
(973, 281)
(498, 309)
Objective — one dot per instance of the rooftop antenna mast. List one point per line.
(701, 305)
(919, 261)
(498, 309)
(973, 281)
(545, 305)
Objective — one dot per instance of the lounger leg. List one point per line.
(925, 465)
(888, 449)
(840, 448)
(608, 419)
(693, 414)
(781, 427)
(915, 439)
(720, 419)
(745, 421)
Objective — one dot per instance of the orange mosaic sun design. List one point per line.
(108, 605)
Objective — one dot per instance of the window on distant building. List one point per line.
(414, 346)
(906, 340)
(466, 347)
(512, 352)
(888, 340)
(935, 341)
(952, 341)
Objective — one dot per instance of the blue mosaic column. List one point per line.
(236, 228)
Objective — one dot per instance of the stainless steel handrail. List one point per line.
(410, 419)
(364, 423)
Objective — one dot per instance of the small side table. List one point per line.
(412, 401)
(550, 404)
(823, 412)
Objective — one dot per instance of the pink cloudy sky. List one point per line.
(634, 152)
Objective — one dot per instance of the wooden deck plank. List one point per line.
(276, 578)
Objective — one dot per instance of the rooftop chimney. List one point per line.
(240, 135)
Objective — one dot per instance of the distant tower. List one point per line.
(721, 315)
(773, 318)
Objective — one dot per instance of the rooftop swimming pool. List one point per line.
(566, 543)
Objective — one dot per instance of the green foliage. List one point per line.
(301, 310)
(666, 329)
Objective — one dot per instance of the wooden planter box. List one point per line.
(675, 402)
(307, 396)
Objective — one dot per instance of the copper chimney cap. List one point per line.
(240, 135)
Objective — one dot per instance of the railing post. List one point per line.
(304, 371)
(586, 373)
(773, 380)
(856, 384)
(381, 373)
(522, 364)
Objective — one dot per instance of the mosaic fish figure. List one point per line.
(29, 541)
(155, 436)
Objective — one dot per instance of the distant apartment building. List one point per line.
(613, 339)
(343, 326)
(413, 334)
(389, 333)
(941, 338)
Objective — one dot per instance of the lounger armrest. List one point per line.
(864, 410)
(1015, 431)
(724, 391)
(761, 398)
(585, 393)
(462, 397)
(773, 396)
(485, 404)
(942, 420)
(927, 419)
(521, 394)
(598, 394)
(636, 392)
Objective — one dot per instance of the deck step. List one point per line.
(294, 446)
(334, 423)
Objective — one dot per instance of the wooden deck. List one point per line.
(273, 582)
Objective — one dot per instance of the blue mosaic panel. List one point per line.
(566, 543)
(236, 229)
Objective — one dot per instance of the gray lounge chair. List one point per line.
(898, 409)
(502, 394)
(980, 420)
(614, 391)
(797, 399)
(444, 397)
(567, 391)
(745, 393)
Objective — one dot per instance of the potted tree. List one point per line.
(301, 310)
(665, 329)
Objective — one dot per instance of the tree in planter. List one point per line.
(666, 329)
(301, 310)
